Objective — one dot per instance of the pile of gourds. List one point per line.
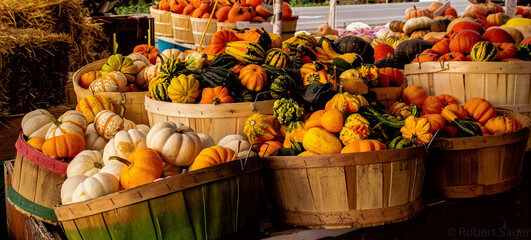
(130, 73)
(107, 153)
(477, 117)
(337, 123)
(226, 11)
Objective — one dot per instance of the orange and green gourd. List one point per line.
(356, 127)
(417, 130)
(260, 128)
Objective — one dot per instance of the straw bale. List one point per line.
(59, 16)
(33, 69)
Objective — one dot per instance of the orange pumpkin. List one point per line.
(442, 47)
(145, 166)
(437, 122)
(447, 99)
(263, 13)
(253, 77)
(331, 120)
(462, 44)
(189, 9)
(432, 105)
(215, 95)
(36, 142)
(366, 145)
(394, 76)
(254, 3)
(478, 9)
(480, 109)
(450, 11)
(222, 14)
(150, 52)
(197, 13)
(414, 95)
(458, 110)
(89, 77)
(164, 5)
(238, 13)
(417, 12)
(67, 145)
(497, 19)
(506, 50)
(219, 42)
(177, 6)
(427, 55)
(269, 147)
(434, 6)
(286, 11)
(501, 124)
(212, 156)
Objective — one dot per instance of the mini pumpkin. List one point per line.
(366, 145)
(145, 166)
(215, 95)
(437, 122)
(432, 104)
(64, 146)
(70, 122)
(501, 124)
(356, 128)
(183, 89)
(417, 130)
(212, 156)
(253, 77)
(414, 94)
(346, 102)
(260, 128)
(177, 143)
(480, 109)
(124, 143)
(36, 123)
(111, 82)
(91, 105)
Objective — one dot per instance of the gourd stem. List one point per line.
(122, 112)
(216, 101)
(98, 165)
(50, 117)
(124, 161)
(237, 150)
(161, 58)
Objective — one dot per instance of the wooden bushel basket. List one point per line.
(345, 190)
(218, 202)
(182, 28)
(133, 101)
(163, 22)
(387, 95)
(477, 166)
(198, 29)
(504, 84)
(216, 120)
(35, 176)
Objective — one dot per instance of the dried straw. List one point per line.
(59, 16)
(33, 69)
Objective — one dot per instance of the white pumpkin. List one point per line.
(100, 184)
(141, 63)
(176, 143)
(206, 140)
(151, 72)
(384, 33)
(108, 124)
(124, 143)
(170, 170)
(90, 128)
(417, 23)
(36, 123)
(70, 122)
(143, 127)
(232, 141)
(170, 53)
(68, 187)
(93, 141)
(111, 82)
(90, 162)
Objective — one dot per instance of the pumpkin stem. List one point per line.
(50, 117)
(122, 112)
(161, 58)
(216, 101)
(240, 12)
(414, 7)
(124, 161)
(98, 165)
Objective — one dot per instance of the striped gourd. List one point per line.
(301, 38)
(483, 52)
(295, 62)
(173, 67)
(310, 78)
(112, 82)
(159, 91)
(277, 57)
(247, 52)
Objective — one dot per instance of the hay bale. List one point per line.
(59, 16)
(33, 69)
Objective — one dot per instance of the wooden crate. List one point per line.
(226, 26)
(163, 22)
(216, 120)
(35, 177)
(477, 166)
(182, 28)
(133, 101)
(504, 84)
(198, 29)
(345, 190)
(218, 202)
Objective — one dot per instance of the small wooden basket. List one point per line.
(477, 166)
(132, 101)
(198, 28)
(163, 22)
(35, 176)
(504, 84)
(182, 28)
(218, 202)
(288, 29)
(226, 26)
(345, 190)
(216, 120)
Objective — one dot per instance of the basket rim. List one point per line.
(165, 186)
(468, 67)
(36, 157)
(345, 159)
